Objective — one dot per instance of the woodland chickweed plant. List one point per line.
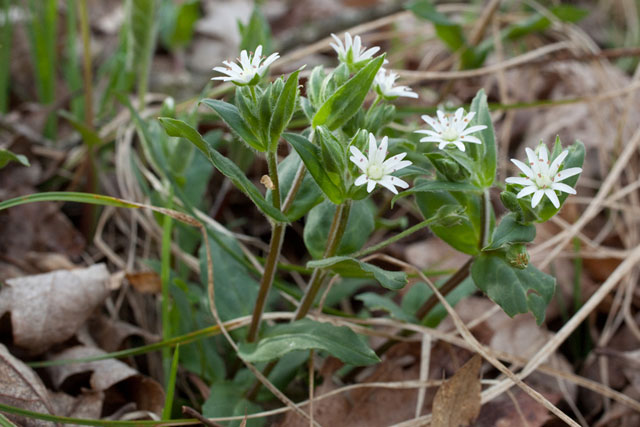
(342, 150)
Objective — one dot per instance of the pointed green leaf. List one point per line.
(348, 98)
(511, 231)
(224, 165)
(375, 301)
(305, 334)
(310, 155)
(515, 290)
(231, 116)
(7, 156)
(283, 110)
(484, 154)
(352, 267)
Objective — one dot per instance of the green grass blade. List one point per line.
(141, 39)
(62, 196)
(71, 68)
(5, 422)
(171, 385)
(165, 277)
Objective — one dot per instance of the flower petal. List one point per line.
(555, 165)
(470, 138)
(563, 187)
(537, 196)
(526, 191)
(371, 184)
(360, 180)
(566, 173)
(524, 168)
(553, 197)
(518, 180)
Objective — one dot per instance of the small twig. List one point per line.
(195, 414)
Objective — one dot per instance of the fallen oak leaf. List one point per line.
(22, 388)
(457, 401)
(47, 309)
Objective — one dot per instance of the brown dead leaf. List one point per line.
(118, 380)
(49, 308)
(503, 412)
(110, 334)
(45, 262)
(145, 282)
(87, 405)
(457, 401)
(21, 387)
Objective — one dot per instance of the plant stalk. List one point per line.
(271, 263)
(338, 227)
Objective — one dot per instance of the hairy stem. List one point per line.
(271, 263)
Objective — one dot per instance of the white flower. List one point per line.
(377, 170)
(252, 67)
(352, 52)
(542, 178)
(451, 129)
(383, 84)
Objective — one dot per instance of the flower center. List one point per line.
(450, 134)
(543, 181)
(375, 172)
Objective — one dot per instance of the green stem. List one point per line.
(271, 264)
(338, 227)
(486, 218)
(392, 239)
(86, 58)
(165, 278)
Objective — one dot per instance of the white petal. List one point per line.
(392, 161)
(459, 144)
(473, 129)
(524, 168)
(371, 184)
(434, 139)
(457, 117)
(373, 146)
(360, 180)
(533, 160)
(518, 180)
(543, 154)
(396, 166)
(553, 197)
(553, 169)
(536, 198)
(566, 173)
(526, 191)
(563, 187)
(428, 132)
(470, 138)
(381, 152)
(432, 122)
(359, 159)
(444, 121)
(469, 117)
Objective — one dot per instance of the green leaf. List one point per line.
(333, 154)
(305, 334)
(314, 86)
(426, 10)
(6, 31)
(352, 267)
(141, 39)
(227, 399)
(281, 114)
(465, 234)
(7, 156)
(348, 98)
(484, 154)
(309, 194)
(89, 136)
(231, 116)
(177, 22)
(359, 227)
(224, 165)
(422, 185)
(511, 231)
(311, 157)
(375, 301)
(515, 290)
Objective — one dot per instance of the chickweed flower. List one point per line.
(384, 83)
(252, 67)
(451, 129)
(377, 170)
(542, 178)
(352, 52)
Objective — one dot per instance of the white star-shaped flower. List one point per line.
(252, 67)
(351, 52)
(542, 178)
(377, 170)
(451, 129)
(384, 83)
